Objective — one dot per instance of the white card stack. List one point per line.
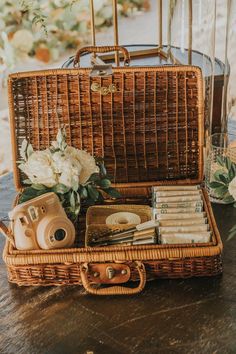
(181, 215)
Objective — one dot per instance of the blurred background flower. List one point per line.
(45, 29)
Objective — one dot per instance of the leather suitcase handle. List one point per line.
(113, 290)
(103, 49)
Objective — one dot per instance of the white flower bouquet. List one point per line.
(74, 175)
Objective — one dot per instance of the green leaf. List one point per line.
(100, 164)
(77, 210)
(100, 198)
(72, 200)
(27, 194)
(60, 188)
(215, 184)
(234, 205)
(29, 190)
(221, 191)
(217, 175)
(220, 161)
(27, 181)
(231, 174)
(224, 178)
(89, 202)
(93, 192)
(39, 187)
(77, 196)
(104, 183)
(30, 193)
(228, 199)
(75, 185)
(233, 167)
(232, 233)
(103, 170)
(233, 228)
(221, 176)
(94, 177)
(113, 192)
(83, 193)
(228, 162)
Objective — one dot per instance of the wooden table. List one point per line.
(170, 316)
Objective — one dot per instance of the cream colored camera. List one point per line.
(41, 223)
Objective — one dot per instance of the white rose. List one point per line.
(69, 179)
(63, 161)
(86, 161)
(39, 168)
(232, 188)
(23, 40)
(68, 168)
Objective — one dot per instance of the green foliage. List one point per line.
(232, 233)
(60, 189)
(220, 185)
(30, 193)
(113, 192)
(223, 177)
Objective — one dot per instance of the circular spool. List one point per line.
(123, 218)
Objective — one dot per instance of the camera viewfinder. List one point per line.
(33, 213)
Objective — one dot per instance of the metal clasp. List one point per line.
(104, 90)
(101, 70)
(110, 272)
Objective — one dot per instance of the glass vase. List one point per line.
(220, 168)
(228, 118)
(191, 40)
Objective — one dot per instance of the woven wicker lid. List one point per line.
(146, 122)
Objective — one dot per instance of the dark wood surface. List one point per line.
(169, 316)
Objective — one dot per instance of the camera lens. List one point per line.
(60, 234)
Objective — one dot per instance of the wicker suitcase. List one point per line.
(150, 132)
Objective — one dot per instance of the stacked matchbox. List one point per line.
(180, 213)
